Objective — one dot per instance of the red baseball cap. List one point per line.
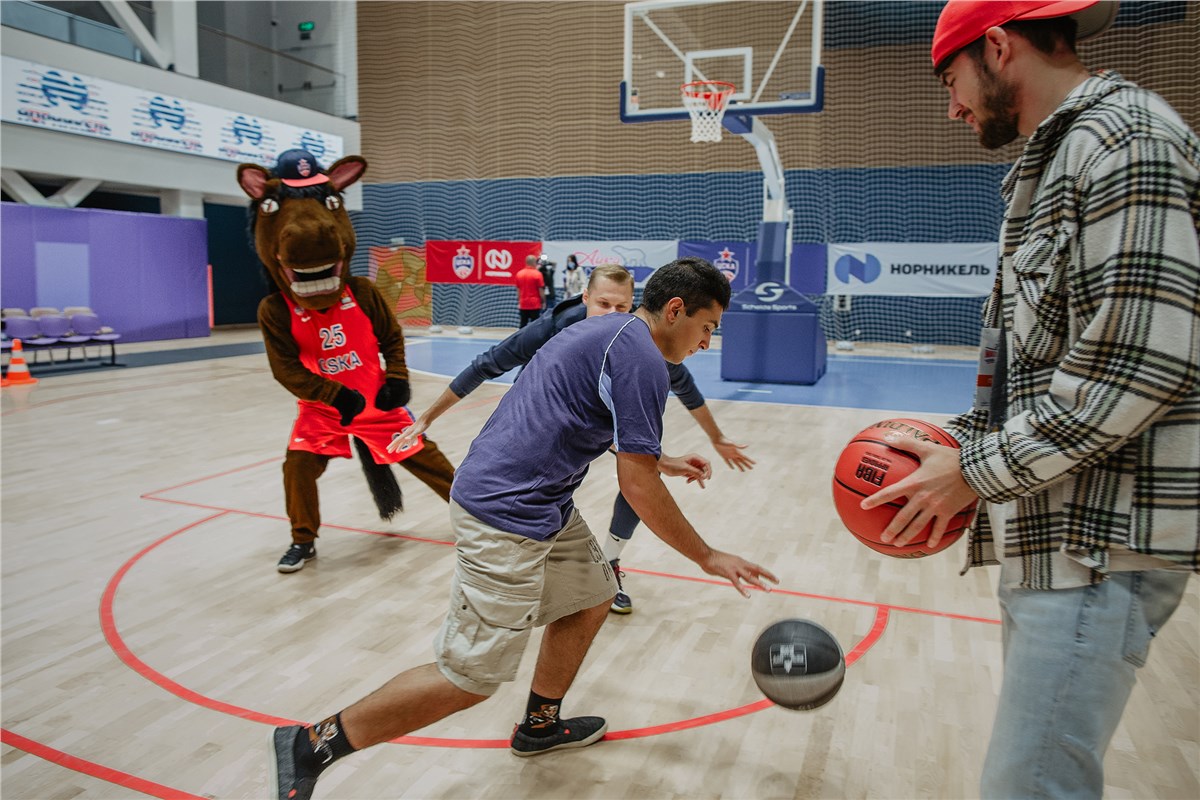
(964, 21)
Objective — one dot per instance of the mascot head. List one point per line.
(299, 224)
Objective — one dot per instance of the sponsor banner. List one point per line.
(459, 261)
(927, 270)
(639, 257)
(399, 275)
(734, 259)
(772, 296)
(62, 100)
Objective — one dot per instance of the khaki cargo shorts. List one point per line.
(504, 586)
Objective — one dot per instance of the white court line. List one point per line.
(758, 391)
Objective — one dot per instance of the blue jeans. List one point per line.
(1070, 662)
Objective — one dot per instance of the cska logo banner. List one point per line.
(459, 261)
(727, 264)
(734, 259)
(464, 263)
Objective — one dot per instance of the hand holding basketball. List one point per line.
(936, 492)
(899, 489)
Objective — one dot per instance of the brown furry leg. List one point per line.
(300, 472)
(432, 468)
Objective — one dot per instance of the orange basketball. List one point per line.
(868, 464)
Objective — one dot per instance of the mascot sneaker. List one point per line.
(293, 560)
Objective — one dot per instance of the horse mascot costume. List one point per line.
(325, 332)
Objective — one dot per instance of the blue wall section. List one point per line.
(145, 275)
(916, 204)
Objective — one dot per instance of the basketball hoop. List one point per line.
(706, 101)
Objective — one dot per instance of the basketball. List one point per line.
(797, 664)
(866, 465)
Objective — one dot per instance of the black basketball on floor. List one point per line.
(797, 664)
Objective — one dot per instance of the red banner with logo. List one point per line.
(476, 262)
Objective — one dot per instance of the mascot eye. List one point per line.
(333, 202)
(269, 205)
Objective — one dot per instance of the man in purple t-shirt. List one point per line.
(525, 556)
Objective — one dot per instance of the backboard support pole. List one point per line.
(773, 262)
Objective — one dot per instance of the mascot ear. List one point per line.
(253, 180)
(346, 171)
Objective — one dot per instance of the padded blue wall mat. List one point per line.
(914, 385)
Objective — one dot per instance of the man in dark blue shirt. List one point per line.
(525, 557)
(609, 289)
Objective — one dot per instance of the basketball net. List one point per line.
(706, 101)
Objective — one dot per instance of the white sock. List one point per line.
(612, 547)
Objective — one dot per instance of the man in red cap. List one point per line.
(1086, 449)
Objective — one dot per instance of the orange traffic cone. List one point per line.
(18, 371)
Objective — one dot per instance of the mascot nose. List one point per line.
(304, 235)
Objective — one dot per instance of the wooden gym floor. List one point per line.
(149, 644)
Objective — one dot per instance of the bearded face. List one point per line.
(303, 234)
(996, 114)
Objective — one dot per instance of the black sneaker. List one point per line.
(286, 783)
(575, 732)
(622, 603)
(293, 560)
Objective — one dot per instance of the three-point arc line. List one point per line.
(126, 655)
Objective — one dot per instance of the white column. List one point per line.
(178, 203)
(346, 58)
(175, 29)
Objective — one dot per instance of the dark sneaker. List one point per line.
(293, 560)
(576, 732)
(286, 783)
(621, 604)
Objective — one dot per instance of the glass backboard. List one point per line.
(769, 49)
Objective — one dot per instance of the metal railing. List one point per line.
(224, 59)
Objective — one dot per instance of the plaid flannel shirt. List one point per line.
(1099, 287)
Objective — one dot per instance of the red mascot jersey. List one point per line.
(339, 344)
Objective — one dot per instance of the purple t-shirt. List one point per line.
(600, 383)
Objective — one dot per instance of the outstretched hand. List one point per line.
(692, 466)
(738, 571)
(936, 491)
(409, 436)
(732, 453)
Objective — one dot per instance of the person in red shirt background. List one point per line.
(531, 290)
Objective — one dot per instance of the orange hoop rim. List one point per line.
(694, 89)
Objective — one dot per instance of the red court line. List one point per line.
(881, 620)
(715, 582)
(826, 597)
(280, 518)
(125, 654)
(148, 495)
(123, 779)
(112, 635)
(859, 650)
(109, 626)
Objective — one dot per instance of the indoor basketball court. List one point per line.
(150, 645)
